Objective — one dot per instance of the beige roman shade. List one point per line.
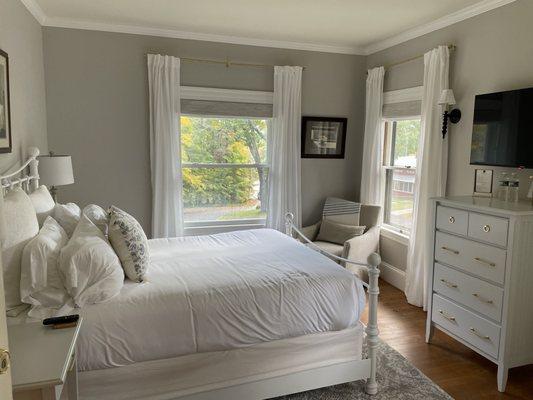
(402, 103)
(225, 108)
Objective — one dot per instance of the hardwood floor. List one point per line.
(458, 370)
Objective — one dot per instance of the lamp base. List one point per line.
(53, 193)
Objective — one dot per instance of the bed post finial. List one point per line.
(289, 218)
(372, 332)
(34, 152)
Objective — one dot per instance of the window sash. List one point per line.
(223, 165)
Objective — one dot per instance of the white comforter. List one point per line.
(224, 291)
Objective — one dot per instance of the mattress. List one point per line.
(175, 377)
(219, 292)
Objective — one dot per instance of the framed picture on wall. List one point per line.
(5, 112)
(323, 137)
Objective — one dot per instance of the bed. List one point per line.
(256, 316)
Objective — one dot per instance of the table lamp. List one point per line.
(55, 170)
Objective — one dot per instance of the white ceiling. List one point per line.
(346, 26)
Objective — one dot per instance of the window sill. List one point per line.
(211, 227)
(390, 232)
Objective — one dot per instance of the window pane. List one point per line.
(223, 140)
(221, 194)
(405, 142)
(399, 203)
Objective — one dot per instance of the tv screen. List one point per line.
(503, 129)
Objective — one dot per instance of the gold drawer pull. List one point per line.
(480, 260)
(477, 296)
(486, 228)
(449, 318)
(450, 250)
(449, 284)
(479, 335)
(452, 220)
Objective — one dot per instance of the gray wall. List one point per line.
(98, 110)
(494, 53)
(21, 37)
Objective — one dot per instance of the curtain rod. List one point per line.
(228, 63)
(451, 47)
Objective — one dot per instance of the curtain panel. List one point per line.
(431, 174)
(372, 179)
(165, 148)
(284, 148)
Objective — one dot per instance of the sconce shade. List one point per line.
(55, 170)
(447, 98)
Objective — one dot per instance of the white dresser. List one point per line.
(481, 278)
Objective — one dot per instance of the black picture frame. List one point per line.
(333, 129)
(6, 143)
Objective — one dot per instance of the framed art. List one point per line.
(323, 137)
(483, 182)
(5, 111)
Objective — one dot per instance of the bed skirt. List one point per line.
(195, 373)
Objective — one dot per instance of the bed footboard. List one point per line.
(372, 331)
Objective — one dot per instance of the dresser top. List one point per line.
(523, 207)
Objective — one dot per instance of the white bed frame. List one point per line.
(27, 177)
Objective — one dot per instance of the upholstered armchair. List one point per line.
(358, 248)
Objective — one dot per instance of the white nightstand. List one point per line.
(43, 362)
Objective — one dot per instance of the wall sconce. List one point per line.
(448, 99)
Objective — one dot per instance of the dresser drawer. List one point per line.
(478, 331)
(488, 228)
(452, 220)
(476, 258)
(479, 295)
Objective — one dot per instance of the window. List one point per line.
(401, 146)
(225, 170)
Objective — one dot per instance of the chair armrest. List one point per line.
(311, 231)
(359, 248)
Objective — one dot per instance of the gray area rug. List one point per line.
(397, 379)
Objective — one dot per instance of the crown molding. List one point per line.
(461, 15)
(208, 37)
(35, 9)
(450, 19)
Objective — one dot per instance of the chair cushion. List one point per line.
(338, 233)
(332, 248)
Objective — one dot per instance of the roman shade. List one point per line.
(225, 108)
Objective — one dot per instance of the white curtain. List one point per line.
(165, 152)
(284, 148)
(372, 180)
(431, 174)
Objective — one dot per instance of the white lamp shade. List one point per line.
(55, 170)
(447, 98)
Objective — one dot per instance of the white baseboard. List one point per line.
(391, 274)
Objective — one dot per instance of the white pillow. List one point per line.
(68, 216)
(40, 282)
(43, 203)
(98, 216)
(130, 243)
(20, 226)
(90, 268)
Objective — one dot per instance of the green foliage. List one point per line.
(221, 140)
(407, 137)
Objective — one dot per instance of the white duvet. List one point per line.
(225, 291)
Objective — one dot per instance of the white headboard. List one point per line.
(26, 177)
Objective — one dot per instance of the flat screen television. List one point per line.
(503, 129)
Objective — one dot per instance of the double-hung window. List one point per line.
(224, 164)
(399, 162)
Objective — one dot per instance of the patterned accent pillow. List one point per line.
(130, 243)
